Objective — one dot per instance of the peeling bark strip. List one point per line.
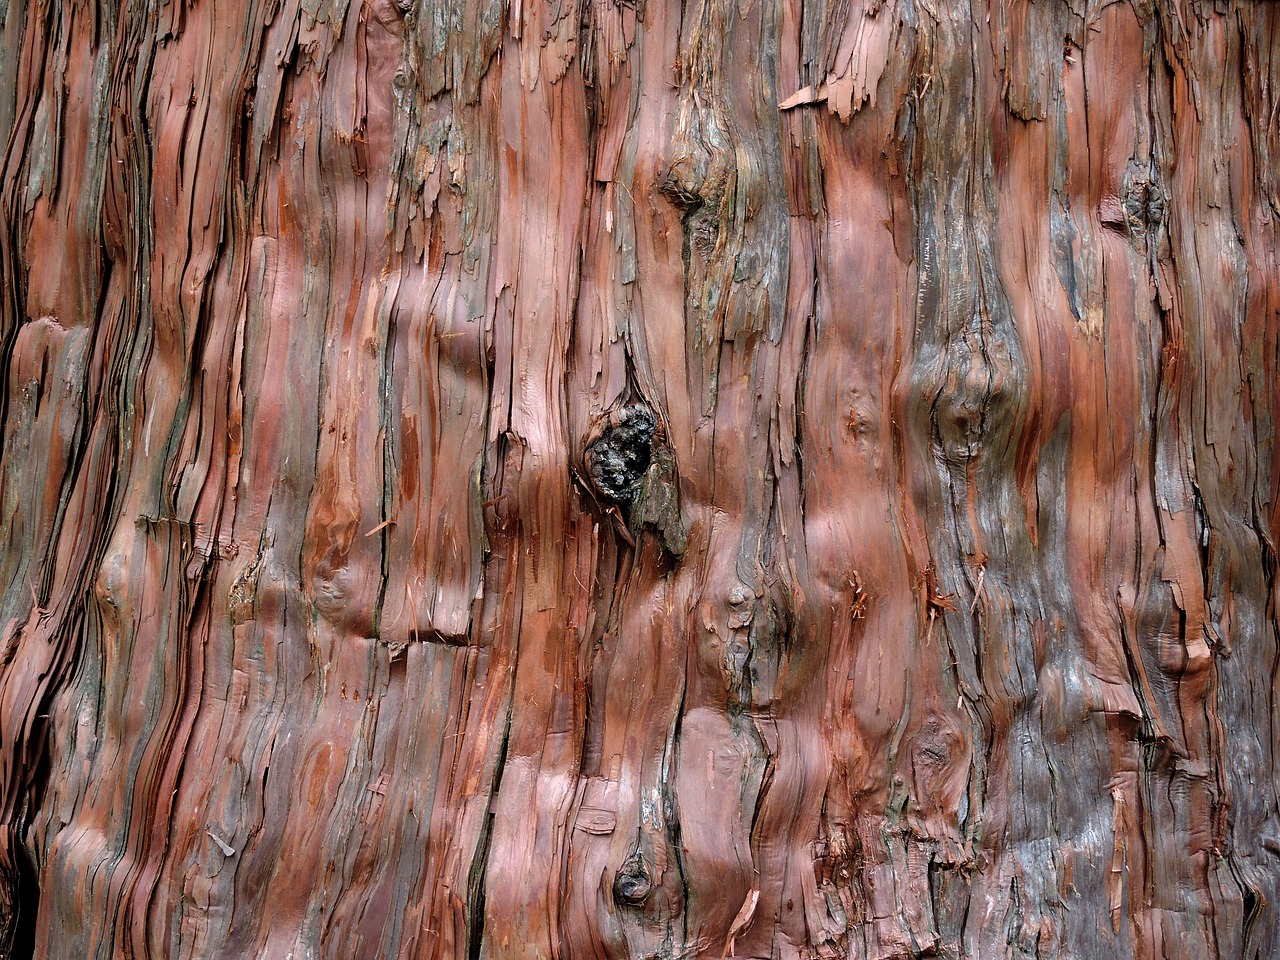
(597, 479)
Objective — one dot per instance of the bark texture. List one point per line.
(627, 478)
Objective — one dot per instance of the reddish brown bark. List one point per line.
(600, 479)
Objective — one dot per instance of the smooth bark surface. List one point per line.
(600, 479)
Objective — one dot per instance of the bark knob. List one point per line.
(632, 884)
(618, 458)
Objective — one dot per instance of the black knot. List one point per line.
(618, 459)
(632, 884)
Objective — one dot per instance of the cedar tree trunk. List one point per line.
(585, 479)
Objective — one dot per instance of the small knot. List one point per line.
(632, 885)
(618, 459)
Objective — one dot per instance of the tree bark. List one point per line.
(598, 479)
